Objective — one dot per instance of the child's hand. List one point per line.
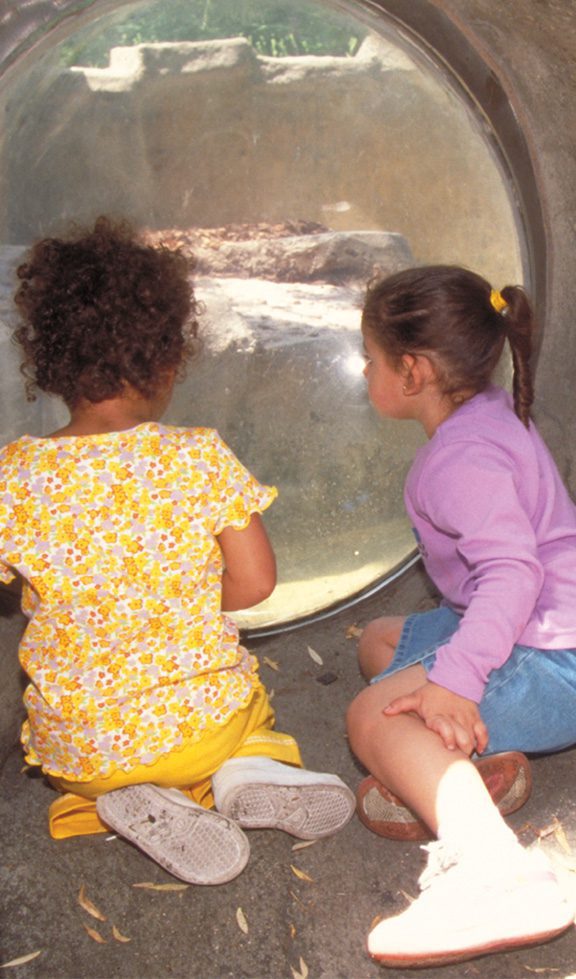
(454, 718)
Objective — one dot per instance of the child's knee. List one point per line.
(377, 644)
(358, 718)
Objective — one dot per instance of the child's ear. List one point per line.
(417, 371)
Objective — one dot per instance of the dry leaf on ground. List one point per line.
(304, 844)
(315, 656)
(529, 968)
(300, 874)
(88, 906)
(554, 829)
(271, 663)
(302, 971)
(241, 920)
(22, 959)
(408, 896)
(560, 837)
(353, 632)
(95, 935)
(543, 831)
(296, 898)
(147, 885)
(119, 936)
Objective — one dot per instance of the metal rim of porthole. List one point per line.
(439, 36)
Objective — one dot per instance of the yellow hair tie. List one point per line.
(498, 302)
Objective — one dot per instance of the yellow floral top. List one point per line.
(127, 651)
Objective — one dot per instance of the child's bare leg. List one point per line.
(442, 786)
(481, 892)
(378, 643)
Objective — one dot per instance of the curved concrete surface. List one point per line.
(319, 925)
(518, 61)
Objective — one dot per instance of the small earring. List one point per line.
(404, 389)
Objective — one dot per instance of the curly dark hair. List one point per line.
(100, 309)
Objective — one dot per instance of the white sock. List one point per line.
(468, 820)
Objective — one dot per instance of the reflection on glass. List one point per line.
(297, 149)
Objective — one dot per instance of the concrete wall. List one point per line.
(206, 134)
(530, 48)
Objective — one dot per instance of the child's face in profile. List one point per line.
(385, 381)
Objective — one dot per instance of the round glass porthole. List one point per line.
(298, 149)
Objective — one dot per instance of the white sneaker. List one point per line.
(259, 793)
(465, 911)
(192, 843)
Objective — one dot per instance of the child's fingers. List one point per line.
(444, 729)
(481, 736)
(402, 705)
(466, 732)
(453, 734)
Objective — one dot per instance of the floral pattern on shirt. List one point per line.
(127, 651)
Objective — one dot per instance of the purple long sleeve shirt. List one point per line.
(497, 532)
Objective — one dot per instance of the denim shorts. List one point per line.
(529, 703)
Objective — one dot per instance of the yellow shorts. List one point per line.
(189, 768)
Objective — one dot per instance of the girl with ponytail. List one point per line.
(459, 693)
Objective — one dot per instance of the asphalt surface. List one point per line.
(292, 912)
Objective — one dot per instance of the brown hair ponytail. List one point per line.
(454, 317)
(519, 325)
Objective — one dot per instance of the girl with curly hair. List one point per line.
(133, 539)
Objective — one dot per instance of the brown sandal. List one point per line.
(507, 777)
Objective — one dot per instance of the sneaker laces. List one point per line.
(505, 861)
(441, 858)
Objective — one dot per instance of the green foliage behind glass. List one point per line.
(275, 28)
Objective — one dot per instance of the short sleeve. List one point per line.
(7, 500)
(236, 493)
(6, 574)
